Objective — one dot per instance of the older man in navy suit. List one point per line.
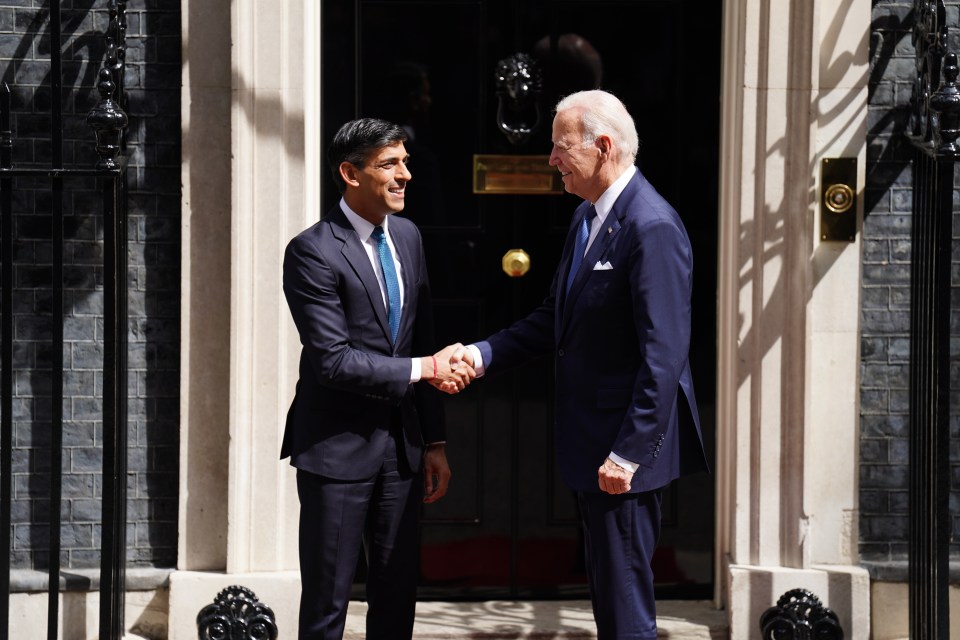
(365, 434)
(617, 320)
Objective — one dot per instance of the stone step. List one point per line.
(543, 619)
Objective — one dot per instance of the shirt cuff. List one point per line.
(477, 359)
(626, 464)
(415, 372)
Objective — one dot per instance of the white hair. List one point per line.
(602, 113)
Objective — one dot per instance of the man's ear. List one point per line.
(349, 173)
(605, 144)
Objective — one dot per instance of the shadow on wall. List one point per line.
(152, 148)
(888, 153)
(776, 240)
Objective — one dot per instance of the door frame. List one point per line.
(728, 245)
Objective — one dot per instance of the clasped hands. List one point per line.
(450, 370)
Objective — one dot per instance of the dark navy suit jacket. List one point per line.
(354, 382)
(621, 340)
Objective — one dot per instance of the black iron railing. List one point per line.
(108, 122)
(935, 117)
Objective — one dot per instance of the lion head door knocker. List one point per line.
(518, 82)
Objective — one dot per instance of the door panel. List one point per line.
(508, 526)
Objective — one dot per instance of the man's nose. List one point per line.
(404, 171)
(554, 160)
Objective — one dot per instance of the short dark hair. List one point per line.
(355, 141)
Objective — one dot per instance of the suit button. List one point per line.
(560, 353)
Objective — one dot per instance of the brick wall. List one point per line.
(153, 80)
(885, 315)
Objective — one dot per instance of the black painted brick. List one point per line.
(900, 250)
(873, 349)
(885, 291)
(875, 298)
(152, 76)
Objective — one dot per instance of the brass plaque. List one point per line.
(838, 199)
(515, 175)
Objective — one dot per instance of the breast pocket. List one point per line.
(604, 288)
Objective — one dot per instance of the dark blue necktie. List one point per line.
(583, 234)
(390, 280)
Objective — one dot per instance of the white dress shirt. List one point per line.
(364, 230)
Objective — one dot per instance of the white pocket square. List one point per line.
(606, 266)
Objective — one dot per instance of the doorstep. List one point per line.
(543, 619)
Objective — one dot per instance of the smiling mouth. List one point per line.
(397, 191)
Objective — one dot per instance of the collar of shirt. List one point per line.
(604, 203)
(363, 227)
(364, 230)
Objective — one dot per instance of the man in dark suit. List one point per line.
(365, 434)
(617, 320)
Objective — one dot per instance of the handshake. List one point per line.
(450, 370)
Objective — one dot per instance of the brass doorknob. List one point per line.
(516, 263)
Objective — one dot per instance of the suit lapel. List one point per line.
(567, 257)
(356, 256)
(405, 255)
(597, 252)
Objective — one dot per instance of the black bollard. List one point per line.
(799, 615)
(236, 614)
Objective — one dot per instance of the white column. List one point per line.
(267, 210)
(251, 166)
(205, 294)
(794, 91)
(831, 500)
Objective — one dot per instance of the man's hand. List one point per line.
(613, 478)
(436, 473)
(461, 362)
(452, 374)
(461, 354)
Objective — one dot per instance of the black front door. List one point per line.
(508, 526)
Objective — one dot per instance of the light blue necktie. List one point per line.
(390, 280)
(583, 234)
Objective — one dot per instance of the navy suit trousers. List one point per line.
(337, 520)
(620, 535)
